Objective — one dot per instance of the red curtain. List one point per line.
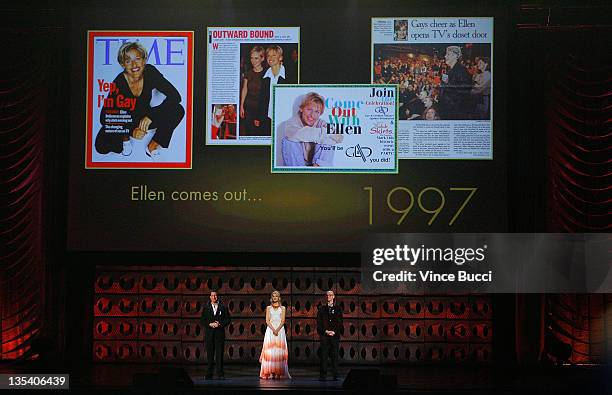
(579, 189)
(23, 98)
(579, 129)
(563, 116)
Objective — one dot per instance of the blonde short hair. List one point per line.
(312, 97)
(128, 46)
(274, 48)
(259, 49)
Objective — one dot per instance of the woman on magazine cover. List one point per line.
(304, 138)
(133, 92)
(249, 95)
(274, 354)
(482, 88)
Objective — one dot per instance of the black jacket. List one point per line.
(223, 316)
(265, 96)
(454, 96)
(329, 319)
(152, 79)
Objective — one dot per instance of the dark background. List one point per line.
(297, 212)
(47, 289)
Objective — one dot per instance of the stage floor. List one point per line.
(410, 379)
(119, 379)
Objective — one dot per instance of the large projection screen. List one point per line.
(225, 198)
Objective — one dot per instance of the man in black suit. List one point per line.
(329, 325)
(215, 318)
(455, 88)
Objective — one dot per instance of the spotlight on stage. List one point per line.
(358, 379)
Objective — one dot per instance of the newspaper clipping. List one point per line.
(334, 129)
(244, 63)
(139, 98)
(444, 68)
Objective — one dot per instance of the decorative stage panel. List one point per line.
(142, 315)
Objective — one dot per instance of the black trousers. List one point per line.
(215, 342)
(247, 127)
(265, 127)
(166, 118)
(329, 348)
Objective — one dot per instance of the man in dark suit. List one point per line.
(455, 88)
(215, 318)
(329, 325)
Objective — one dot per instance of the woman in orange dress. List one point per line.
(274, 354)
